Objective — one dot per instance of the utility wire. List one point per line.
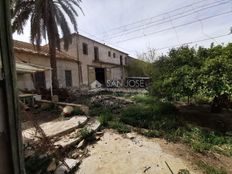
(177, 26)
(186, 43)
(161, 21)
(150, 19)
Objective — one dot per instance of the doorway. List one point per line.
(100, 75)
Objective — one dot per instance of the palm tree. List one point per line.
(47, 18)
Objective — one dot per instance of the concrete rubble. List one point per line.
(65, 135)
(111, 102)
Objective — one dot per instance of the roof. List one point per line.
(29, 68)
(20, 46)
(77, 34)
(22, 67)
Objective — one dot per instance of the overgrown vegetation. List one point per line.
(162, 120)
(195, 73)
(208, 169)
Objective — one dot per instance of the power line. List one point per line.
(152, 24)
(177, 26)
(151, 18)
(186, 43)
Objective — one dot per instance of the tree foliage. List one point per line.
(48, 18)
(186, 72)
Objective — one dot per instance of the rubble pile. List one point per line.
(65, 145)
(111, 102)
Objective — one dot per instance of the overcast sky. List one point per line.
(134, 26)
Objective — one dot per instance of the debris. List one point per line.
(67, 111)
(71, 163)
(130, 135)
(52, 166)
(146, 169)
(113, 103)
(81, 144)
(99, 133)
(169, 167)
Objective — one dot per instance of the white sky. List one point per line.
(103, 16)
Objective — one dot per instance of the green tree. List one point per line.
(47, 18)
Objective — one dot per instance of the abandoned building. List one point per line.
(86, 61)
(97, 61)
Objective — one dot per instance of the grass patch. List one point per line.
(151, 133)
(145, 99)
(119, 126)
(210, 169)
(97, 110)
(104, 118)
(162, 121)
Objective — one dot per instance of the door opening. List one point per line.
(100, 75)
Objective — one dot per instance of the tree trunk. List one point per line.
(52, 53)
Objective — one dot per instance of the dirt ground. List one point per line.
(118, 154)
(201, 116)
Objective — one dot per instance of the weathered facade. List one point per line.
(85, 62)
(97, 61)
(26, 53)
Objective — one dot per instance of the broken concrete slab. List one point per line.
(84, 108)
(56, 128)
(93, 125)
(74, 137)
(72, 163)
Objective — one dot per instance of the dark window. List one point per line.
(40, 80)
(114, 55)
(85, 48)
(121, 62)
(109, 53)
(68, 78)
(96, 53)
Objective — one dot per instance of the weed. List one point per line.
(144, 99)
(183, 171)
(151, 133)
(119, 126)
(97, 110)
(104, 118)
(210, 169)
(85, 133)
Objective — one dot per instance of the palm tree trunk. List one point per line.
(52, 53)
